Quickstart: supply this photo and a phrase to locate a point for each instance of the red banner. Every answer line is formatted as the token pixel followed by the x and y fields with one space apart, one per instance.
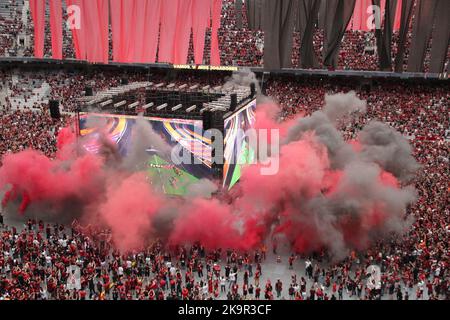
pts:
pixel 183 32
pixel 37 8
pixel 216 14
pixel 201 17
pixel 56 28
pixel 169 15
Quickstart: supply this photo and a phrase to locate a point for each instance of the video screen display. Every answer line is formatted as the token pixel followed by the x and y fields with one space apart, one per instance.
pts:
pixel 172 179
pixel 237 151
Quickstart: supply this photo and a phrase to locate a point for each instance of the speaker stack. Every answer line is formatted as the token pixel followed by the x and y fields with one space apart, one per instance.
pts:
pixel 252 89
pixel 54 109
pixel 88 91
pixel 214 120
pixel 233 103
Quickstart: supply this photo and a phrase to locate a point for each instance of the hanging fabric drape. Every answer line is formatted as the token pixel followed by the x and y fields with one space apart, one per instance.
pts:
pixel 287 29
pixel 307 15
pixel 201 18
pixel 75 9
pixel 335 32
pixel 278 33
pixel 398 15
pixel 238 13
pixel 215 25
pixel 272 34
pixel 384 34
pixel 423 25
pixel 363 16
pixel 169 13
pixel 37 8
pixel 254 14
pixel 143 29
pixel 56 28
pixel 301 17
pixel 442 33
pixel 151 30
pixel 140 29
pixel 115 12
pixel 360 16
pixel 96 30
pixel 103 8
pixel 250 11
pixel 92 33
pixel 385 53
pixel 182 32
pixel 135 30
pixel 138 39
pixel 128 30
pixel 322 15
pixel 125 15
pixel 406 14
pixel 143 18
pixel 328 14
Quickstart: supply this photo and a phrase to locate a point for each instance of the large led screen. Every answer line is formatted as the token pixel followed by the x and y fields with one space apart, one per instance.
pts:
pixel 237 151
pixel 172 179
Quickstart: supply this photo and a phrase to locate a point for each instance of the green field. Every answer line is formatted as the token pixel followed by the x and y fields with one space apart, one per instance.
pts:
pixel 247 157
pixel 170 179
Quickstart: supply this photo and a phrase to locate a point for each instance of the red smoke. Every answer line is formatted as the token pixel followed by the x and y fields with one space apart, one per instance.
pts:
pixel 66 142
pixel 38 179
pixel 214 225
pixel 128 205
pixel 304 175
pixel 356 145
pixel 66 137
pixel 10 195
pixel 265 115
pixel 302 168
pixel 128 210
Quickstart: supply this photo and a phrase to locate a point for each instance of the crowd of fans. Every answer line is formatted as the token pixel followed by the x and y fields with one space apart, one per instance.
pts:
pixel 34 259
pixel 24 129
pixel 11 26
pixel 419 112
pixel 64 86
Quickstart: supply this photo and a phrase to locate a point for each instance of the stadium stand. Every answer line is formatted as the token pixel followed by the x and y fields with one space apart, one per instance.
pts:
pixel 34 256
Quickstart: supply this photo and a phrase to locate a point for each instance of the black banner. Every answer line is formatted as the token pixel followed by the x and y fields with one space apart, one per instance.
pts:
pixel 254 309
